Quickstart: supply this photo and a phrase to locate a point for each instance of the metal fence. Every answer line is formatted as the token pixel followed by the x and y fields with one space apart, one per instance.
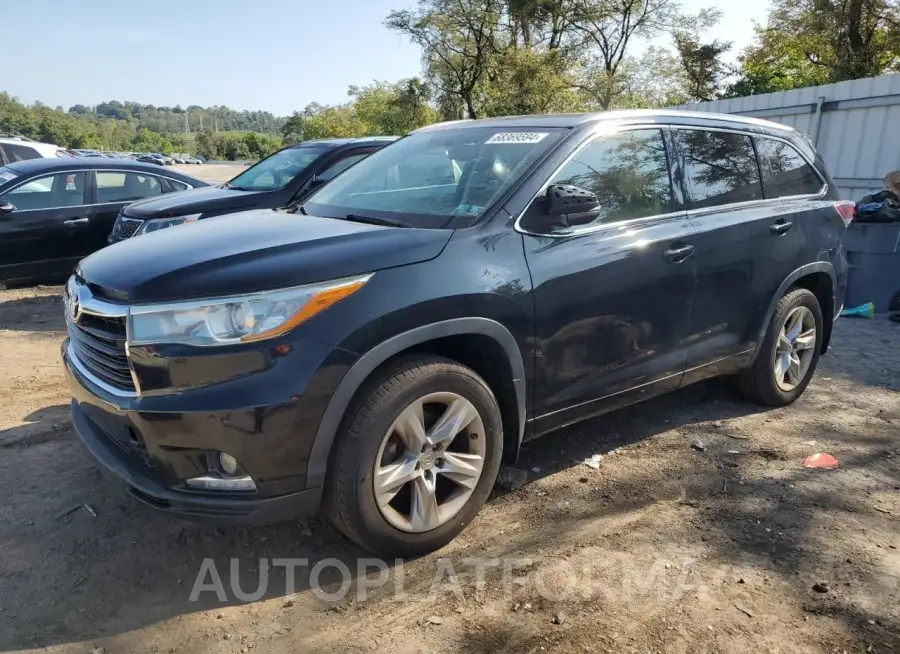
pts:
pixel 855 125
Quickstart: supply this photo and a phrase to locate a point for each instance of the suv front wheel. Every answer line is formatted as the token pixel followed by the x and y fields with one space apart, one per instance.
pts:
pixel 416 458
pixel 789 353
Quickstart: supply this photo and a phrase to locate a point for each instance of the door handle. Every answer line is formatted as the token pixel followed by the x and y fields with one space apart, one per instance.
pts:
pixel 781 227
pixel 76 221
pixel 678 254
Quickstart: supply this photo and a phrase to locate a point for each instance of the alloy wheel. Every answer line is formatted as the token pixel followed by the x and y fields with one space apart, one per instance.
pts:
pixel 795 348
pixel 429 462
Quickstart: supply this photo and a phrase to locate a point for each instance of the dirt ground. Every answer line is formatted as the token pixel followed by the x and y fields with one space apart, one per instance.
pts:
pixel 667 546
pixel 210 172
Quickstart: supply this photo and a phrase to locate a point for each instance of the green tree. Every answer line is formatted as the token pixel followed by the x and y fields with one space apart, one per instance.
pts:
pixel 811 42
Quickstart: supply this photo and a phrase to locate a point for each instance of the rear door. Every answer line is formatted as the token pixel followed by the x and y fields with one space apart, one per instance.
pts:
pixel 746 246
pixel 46 232
pixel 612 298
pixel 112 191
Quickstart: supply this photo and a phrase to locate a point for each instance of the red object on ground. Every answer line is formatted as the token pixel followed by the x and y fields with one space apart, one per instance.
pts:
pixel 821 461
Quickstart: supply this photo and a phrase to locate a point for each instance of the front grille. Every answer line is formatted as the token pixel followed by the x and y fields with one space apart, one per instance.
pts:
pixel 125 228
pixel 99 344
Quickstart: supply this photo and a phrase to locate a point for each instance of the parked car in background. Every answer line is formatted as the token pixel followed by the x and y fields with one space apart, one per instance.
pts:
pixel 54 211
pixel 19 148
pixel 470 287
pixel 158 160
pixel 193 160
pixel 276 181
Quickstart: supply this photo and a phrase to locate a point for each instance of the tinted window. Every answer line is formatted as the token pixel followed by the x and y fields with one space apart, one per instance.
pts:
pixel 178 186
pixel 628 172
pixel 126 187
pixel 784 171
pixel 19 152
pixel 338 167
pixel 62 190
pixel 720 167
pixel 276 171
pixel 440 178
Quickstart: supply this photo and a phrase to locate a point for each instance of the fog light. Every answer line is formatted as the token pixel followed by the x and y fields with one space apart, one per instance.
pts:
pixel 212 482
pixel 228 463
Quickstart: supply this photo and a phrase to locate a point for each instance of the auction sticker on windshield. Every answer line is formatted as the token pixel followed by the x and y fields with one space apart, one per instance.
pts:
pixel 518 137
pixel 7 177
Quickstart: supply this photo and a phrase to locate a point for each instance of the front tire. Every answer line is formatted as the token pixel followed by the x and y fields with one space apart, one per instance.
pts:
pixel 416 458
pixel 789 352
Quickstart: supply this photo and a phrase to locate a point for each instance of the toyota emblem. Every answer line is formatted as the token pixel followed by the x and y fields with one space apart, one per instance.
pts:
pixel 73 306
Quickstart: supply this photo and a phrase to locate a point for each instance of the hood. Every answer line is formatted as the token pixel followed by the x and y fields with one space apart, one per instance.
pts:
pixel 252 251
pixel 198 200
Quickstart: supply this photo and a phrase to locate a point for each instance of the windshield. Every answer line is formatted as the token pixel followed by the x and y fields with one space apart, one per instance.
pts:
pixel 276 171
pixel 446 178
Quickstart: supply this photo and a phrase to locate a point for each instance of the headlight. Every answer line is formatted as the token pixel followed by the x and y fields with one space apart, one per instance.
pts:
pixel 156 224
pixel 236 319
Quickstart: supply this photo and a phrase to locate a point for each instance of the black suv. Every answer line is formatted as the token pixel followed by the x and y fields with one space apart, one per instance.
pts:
pixel 278 180
pixel 474 285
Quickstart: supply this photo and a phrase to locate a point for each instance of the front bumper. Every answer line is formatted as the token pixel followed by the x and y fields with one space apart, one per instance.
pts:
pixel 132 476
pixel 150 444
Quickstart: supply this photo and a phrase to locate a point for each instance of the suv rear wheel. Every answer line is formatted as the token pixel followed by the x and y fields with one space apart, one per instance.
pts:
pixel 416 458
pixel 789 353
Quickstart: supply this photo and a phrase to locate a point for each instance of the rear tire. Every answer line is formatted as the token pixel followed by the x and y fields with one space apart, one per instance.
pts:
pixel 789 353
pixel 416 457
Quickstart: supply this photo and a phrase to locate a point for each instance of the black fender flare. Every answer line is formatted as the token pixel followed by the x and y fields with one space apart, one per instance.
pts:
pixel 368 362
pixel 808 269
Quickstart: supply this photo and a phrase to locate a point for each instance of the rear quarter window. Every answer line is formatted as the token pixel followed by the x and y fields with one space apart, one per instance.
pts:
pixel 785 172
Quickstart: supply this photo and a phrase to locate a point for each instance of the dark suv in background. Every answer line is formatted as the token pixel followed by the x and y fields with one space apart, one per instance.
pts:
pixel 276 181
pixel 471 286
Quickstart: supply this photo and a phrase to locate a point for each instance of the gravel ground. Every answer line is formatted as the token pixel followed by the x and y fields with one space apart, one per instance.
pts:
pixel 215 173
pixel 663 547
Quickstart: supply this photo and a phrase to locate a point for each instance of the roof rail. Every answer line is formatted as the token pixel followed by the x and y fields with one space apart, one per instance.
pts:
pixel 18 137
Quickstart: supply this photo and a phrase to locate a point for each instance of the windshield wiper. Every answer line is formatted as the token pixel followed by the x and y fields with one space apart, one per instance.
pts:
pixel 373 220
pixel 297 208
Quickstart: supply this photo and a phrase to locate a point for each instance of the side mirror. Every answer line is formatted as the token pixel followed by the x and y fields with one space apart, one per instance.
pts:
pixel 573 204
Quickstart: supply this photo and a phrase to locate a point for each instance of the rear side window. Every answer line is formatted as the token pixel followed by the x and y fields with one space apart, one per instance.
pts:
pixel 720 167
pixel 126 187
pixel 19 152
pixel 628 172
pixel 178 186
pixel 784 171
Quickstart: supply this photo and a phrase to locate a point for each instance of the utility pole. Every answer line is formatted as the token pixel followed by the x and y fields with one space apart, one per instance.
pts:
pixel 187 124
pixel 201 121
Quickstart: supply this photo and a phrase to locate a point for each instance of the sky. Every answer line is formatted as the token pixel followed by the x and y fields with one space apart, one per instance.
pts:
pixel 274 55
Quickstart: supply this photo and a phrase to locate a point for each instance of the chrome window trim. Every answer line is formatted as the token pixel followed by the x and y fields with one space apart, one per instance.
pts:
pixel 600 133
pixel 190 187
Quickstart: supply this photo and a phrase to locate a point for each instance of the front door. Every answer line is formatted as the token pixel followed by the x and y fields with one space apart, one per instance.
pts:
pixel 612 298
pixel 331 168
pixel 45 233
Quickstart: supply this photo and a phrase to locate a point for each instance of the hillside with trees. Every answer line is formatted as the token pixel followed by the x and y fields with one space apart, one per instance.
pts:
pixel 485 58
